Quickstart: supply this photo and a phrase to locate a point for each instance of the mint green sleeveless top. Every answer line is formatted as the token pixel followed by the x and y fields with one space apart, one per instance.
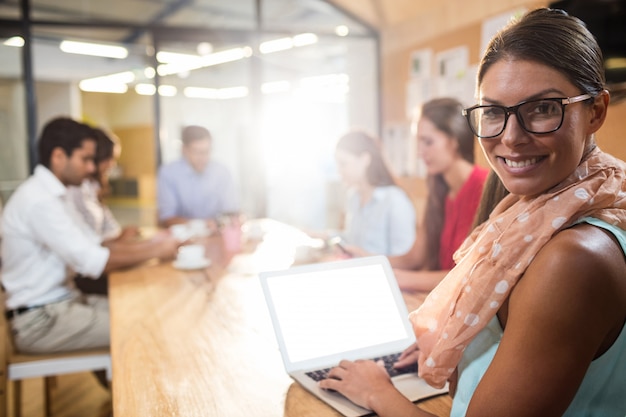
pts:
pixel 603 390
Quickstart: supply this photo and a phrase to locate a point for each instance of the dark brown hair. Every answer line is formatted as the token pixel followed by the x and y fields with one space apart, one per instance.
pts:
pixel 555 39
pixel 445 114
pixel 357 142
pixel 64 133
pixel 493 192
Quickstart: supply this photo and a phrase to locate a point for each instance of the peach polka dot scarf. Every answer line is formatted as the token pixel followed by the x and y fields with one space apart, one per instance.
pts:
pixel 496 254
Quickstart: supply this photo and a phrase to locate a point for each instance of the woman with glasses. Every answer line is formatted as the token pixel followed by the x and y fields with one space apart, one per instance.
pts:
pixel 531 321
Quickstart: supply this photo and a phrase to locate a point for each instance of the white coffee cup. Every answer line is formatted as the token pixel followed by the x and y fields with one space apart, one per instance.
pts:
pixel 190 254
pixel 181 232
pixel 198 227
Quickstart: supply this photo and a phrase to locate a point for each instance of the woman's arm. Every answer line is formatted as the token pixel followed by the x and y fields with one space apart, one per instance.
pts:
pixel 414 259
pixel 566 310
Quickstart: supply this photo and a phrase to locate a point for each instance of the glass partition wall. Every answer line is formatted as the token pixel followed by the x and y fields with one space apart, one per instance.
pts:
pixel 275 81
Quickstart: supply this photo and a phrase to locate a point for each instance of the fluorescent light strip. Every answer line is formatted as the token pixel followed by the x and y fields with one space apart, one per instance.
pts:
pixel 16 41
pixel 167 90
pixel 165 57
pixel 304 39
pixel 283 44
pixel 94 49
pixel 94 87
pixel 114 83
pixel 145 89
pixel 149 90
pixel 178 63
pixel 276 45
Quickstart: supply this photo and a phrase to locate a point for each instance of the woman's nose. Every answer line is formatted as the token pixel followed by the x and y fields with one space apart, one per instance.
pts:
pixel 513 134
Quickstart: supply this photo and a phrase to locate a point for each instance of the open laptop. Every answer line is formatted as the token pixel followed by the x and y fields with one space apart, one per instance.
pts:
pixel 350 309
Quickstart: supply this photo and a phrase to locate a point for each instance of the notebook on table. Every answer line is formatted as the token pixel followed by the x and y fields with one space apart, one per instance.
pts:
pixel 350 309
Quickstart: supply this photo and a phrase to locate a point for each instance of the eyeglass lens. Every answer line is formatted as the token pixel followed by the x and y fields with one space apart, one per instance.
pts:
pixel 540 116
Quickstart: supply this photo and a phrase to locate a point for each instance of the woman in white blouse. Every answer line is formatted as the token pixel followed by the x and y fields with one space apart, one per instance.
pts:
pixel 380 217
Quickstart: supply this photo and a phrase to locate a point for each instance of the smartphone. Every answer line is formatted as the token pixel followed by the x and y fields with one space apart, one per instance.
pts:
pixel 340 243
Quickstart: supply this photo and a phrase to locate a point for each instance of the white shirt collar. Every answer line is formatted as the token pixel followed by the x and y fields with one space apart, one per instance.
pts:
pixel 52 183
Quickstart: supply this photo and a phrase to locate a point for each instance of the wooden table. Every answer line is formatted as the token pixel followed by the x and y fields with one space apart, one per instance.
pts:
pixel 200 343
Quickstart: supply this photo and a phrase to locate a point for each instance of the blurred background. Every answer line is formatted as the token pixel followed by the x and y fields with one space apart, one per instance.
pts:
pixel 275 81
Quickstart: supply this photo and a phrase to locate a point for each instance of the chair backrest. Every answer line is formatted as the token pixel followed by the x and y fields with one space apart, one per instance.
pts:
pixel 15 366
pixel 4 357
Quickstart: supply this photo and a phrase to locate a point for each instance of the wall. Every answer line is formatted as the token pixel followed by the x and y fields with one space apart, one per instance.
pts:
pixel 14 154
pixel 396 54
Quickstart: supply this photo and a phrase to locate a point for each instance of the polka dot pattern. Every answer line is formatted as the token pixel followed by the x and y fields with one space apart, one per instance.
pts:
pixel 496 255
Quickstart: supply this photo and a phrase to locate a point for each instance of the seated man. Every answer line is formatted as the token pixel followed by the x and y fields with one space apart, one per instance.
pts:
pixel 46 243
pixel 195 187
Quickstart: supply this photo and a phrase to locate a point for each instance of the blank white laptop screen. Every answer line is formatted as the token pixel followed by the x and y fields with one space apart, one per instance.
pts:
pixel 335 310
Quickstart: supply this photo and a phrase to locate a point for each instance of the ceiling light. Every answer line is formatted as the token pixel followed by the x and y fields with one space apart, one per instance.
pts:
pixel 167 90
pixel 150 89
pixel 16 41
pixel 283 44
pixel 204 48
pixel 276 45
pixel 114 83
pixel 94 49
pixel 304 39
pixel 342 30
pixel 145 89
pixel 228 55
pixel 178 63
pixel 165 57
pixel 93 87
pixel 149 73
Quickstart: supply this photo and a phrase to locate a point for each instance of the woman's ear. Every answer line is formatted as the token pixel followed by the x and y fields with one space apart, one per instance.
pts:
pixel 598 111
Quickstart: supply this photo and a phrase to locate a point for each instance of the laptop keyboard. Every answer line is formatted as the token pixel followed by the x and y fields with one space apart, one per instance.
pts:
pixel 388 360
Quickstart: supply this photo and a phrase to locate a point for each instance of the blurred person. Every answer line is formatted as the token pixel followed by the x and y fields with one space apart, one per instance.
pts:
pixel 88 198
pixel 532 319
pixel 380 217
pixel 454 183
pixel 195 186
pixel 45 244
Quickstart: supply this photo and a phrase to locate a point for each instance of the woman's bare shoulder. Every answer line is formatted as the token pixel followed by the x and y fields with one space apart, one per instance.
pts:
pixel 580 272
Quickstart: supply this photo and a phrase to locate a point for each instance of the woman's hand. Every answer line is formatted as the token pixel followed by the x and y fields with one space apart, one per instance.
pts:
pixel 359 381
pixel 408 357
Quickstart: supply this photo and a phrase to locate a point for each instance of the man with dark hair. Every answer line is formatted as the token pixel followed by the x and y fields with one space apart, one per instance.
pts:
pixel 195 187
pixel 46 243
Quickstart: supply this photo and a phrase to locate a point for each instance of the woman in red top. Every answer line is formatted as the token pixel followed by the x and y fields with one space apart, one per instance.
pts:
pixel 455 183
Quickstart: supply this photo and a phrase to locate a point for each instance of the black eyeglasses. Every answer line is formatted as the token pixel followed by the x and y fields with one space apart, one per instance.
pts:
pixel 544 115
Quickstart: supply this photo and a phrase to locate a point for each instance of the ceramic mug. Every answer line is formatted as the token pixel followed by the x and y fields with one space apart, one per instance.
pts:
pixel 190 254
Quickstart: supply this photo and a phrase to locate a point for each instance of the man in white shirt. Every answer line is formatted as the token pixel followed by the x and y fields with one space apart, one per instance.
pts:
pixel 45 243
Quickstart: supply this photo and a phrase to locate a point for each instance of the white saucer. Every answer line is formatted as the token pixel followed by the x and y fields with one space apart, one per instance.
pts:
pixel 200 264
